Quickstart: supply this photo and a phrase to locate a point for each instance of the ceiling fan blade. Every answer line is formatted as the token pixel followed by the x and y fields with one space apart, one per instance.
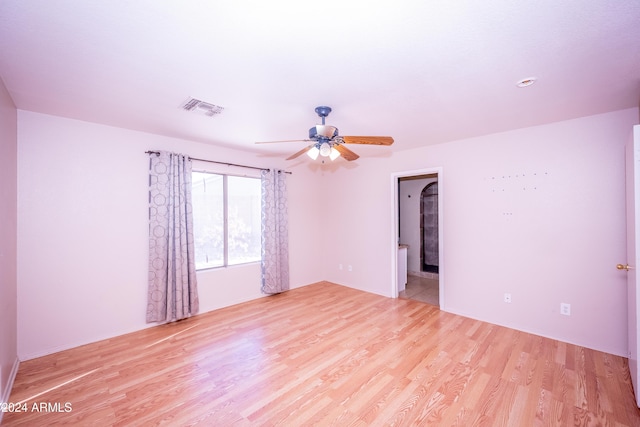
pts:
pixel 373 140
pixel 345 152
pixel 286 140
pixel 300 153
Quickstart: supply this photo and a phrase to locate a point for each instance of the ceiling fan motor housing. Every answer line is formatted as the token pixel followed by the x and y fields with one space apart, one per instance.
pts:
pixel 323 132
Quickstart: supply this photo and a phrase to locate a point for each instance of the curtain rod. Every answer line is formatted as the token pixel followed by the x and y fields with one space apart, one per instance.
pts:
pixel 222 163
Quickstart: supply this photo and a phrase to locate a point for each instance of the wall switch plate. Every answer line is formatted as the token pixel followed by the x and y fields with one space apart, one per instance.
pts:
pixel 350 268
pixel 507 298
pixel 340 266
pixel 565 309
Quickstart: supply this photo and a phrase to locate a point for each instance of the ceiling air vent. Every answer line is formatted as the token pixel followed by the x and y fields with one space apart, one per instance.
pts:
pixel 201 107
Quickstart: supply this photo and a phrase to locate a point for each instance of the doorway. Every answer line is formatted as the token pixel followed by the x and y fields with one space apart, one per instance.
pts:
pixel 417 225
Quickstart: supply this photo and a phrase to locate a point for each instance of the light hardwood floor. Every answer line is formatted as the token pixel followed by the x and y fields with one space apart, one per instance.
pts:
pixel 421 289
pixel 327 355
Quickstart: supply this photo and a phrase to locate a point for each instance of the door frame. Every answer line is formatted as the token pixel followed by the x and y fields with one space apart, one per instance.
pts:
pixel 632 159
pixel 395 230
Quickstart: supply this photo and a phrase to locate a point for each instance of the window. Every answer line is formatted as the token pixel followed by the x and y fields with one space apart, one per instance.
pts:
pixel 226 219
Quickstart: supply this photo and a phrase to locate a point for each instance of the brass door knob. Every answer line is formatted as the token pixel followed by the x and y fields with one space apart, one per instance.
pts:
pixel 626 267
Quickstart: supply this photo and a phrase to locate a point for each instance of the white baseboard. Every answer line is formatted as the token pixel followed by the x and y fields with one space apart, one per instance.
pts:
pixel 6 393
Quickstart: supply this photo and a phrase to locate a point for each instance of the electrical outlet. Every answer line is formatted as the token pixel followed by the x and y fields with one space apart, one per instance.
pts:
pixel 565 309
pixel 507 298
pixel 340 266
pixel 350 268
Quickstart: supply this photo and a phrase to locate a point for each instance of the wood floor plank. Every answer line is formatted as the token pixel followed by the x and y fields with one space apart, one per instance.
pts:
pixel 326 355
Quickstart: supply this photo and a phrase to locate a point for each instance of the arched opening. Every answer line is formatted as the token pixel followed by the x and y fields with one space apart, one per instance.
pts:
pixel 429 254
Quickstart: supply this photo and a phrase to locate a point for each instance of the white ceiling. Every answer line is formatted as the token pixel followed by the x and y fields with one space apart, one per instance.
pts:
pixel 422 71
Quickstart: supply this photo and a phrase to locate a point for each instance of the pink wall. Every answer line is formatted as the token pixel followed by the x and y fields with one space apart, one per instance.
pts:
pixel 547 238
pixel 8 242
pixel 82 235
pixel 536 212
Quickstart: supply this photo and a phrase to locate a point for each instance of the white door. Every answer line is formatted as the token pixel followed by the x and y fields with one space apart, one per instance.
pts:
pixel 633 251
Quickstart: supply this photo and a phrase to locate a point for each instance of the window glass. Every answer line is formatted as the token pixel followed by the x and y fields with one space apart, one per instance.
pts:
pixel 244 222
pixel 227 224
pixel 208 219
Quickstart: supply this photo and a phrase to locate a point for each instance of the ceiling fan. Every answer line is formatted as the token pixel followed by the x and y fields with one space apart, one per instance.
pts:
pixel 326 142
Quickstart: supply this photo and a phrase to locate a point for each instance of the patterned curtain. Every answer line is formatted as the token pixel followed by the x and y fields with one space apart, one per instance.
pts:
pixel 172 293
pixel 275 233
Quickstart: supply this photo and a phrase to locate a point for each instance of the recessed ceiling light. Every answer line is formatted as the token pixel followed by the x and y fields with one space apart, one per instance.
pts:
pixel 526 82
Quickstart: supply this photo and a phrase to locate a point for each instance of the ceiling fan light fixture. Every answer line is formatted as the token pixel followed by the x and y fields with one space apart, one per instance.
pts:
pixel 334 154
pixel 313 152
pixel 325 149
